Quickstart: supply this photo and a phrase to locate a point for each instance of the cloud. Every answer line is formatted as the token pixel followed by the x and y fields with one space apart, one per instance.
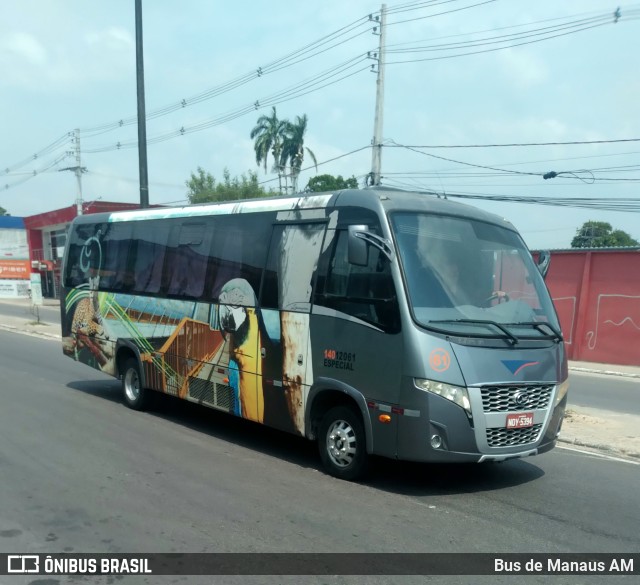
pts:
pixel 24 48
pixel 112 39
pixel 21 55
pixel 523 68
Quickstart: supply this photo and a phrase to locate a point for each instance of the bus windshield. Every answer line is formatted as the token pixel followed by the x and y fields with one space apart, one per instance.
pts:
pixel 471 278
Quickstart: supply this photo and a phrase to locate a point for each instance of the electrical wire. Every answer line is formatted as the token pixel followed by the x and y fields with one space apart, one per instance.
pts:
pixel 30 175
pixel 315 83
pixel 584 175
pixel 62 141
pixel 441 13
pixel 515 144
pixel 605 19
pixel 288 60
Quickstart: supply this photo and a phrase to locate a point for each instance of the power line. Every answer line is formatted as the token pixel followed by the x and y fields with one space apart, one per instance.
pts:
pixel 442 13
pixel 43 169
pixel 316 83
pixel 500 38
pixel 514 144
pixel 585 175
pixel 495 29
pixel 622 204
pixel 289 60
pixel 62 141
pixel 548 36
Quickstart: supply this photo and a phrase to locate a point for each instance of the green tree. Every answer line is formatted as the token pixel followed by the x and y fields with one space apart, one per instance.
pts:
pixel 293 149
pixel 3 211
pixel 204 188
pixel 600 234
pixel 268 136
pixel 321 183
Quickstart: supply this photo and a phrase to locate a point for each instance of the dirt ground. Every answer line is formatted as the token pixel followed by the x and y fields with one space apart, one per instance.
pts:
pixel 615 433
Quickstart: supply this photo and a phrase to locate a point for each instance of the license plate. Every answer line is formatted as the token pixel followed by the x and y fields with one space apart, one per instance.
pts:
pixel 520 420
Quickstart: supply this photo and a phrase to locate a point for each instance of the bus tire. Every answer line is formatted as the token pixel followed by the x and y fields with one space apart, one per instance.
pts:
pixel 135 395
pixel 342 444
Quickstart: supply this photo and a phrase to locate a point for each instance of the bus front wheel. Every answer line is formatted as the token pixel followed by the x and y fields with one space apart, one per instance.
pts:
pixel 342 443
pixel 135 395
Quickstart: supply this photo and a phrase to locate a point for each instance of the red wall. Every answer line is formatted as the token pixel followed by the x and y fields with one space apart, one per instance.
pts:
pixel 597 296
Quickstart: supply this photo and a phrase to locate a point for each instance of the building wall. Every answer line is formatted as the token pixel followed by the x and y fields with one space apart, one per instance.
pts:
pixel 15 268
pixel 597 296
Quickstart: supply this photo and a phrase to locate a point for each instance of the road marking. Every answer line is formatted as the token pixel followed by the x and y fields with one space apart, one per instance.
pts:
pixel 601 455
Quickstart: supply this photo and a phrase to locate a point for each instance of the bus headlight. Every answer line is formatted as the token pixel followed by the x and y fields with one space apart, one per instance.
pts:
pixel 561 392
pixel 456 394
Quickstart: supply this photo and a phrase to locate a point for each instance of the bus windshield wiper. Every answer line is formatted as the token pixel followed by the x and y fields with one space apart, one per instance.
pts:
pixel 507 334
pixel 555 334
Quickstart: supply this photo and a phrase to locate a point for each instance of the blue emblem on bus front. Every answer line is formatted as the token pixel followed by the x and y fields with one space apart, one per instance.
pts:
pixel 515 366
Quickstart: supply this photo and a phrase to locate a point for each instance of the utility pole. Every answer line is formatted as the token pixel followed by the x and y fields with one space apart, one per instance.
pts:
pixel 142 116
pixel 376 157
pixel 78 169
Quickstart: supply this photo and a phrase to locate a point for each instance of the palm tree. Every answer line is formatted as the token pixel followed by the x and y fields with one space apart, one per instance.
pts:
pixel 269 134
pixel 293 148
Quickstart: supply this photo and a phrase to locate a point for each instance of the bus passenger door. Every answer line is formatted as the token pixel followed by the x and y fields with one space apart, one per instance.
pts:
pixel 285 306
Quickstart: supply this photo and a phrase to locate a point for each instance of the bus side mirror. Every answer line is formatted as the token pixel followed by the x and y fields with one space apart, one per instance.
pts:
pixel 544 261
pixel 357 247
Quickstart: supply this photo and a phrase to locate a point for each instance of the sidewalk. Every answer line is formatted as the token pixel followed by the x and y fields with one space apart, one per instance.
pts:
pixel 604 431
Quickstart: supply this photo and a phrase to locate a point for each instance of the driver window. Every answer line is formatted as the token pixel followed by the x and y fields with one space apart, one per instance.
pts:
pixel 364 292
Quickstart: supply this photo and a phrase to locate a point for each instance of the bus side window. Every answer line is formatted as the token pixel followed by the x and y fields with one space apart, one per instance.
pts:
pixel 117 270
pixel 365 292
pixel 188 260
pixel 238 250
pixel 291 265
pixel 150 244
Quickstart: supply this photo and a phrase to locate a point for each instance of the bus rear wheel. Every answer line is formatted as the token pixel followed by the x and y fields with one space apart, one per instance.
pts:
pixel 342 444
pixel 135 395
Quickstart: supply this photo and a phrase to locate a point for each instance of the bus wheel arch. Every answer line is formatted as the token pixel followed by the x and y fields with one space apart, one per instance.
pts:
pixel 339 428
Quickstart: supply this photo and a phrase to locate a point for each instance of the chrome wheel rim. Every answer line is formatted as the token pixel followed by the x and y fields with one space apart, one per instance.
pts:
pixel 341 443
pixel 132 385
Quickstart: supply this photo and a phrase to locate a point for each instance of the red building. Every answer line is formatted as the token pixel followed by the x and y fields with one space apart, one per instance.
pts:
pixel 596 293
pixel 47 235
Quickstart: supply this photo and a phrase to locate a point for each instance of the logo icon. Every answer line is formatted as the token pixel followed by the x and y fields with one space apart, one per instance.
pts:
pixel 23 563
pixel 521 399
pixel 439 360
pixel 516 366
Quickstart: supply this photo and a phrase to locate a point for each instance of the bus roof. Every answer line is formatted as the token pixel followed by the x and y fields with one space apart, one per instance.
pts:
pixel 382 199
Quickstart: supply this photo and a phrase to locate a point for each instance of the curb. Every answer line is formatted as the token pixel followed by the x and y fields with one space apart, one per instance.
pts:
pixel 602 448
pixel 31 332
pixel 603 372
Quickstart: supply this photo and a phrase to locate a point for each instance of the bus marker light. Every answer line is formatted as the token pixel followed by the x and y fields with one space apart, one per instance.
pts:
pixel 436 441
pixel 384 418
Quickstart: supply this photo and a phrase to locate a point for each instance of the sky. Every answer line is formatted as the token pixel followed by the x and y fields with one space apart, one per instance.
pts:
pixel 458 73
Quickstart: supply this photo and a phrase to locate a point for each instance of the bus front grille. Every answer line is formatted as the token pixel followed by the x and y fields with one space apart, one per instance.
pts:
pixel 501 437
pixel 516 398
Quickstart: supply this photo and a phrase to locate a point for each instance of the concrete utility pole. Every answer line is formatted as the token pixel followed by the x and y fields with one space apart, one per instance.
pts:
pixel 142 116
pixel 376 158
pixel 78 169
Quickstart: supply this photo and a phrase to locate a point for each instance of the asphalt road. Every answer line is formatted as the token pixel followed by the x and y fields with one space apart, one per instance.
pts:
pixel 81 472
pixel 605 392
